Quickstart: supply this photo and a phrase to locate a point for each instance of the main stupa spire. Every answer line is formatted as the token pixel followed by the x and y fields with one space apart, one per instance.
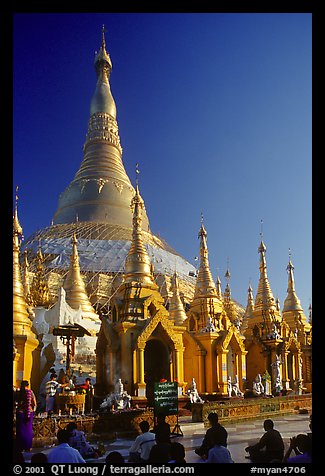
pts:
pixel 101 190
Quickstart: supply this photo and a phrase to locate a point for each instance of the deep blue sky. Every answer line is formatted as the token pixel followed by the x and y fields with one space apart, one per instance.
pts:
pixel 215 108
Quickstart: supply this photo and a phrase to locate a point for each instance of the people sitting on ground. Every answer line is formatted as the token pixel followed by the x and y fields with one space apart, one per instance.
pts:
pixel 162 430
pixel 301 444
pixel 140 449
pixel 114 458
pixel 207 442
pixel 218 453
pixel 78 440
pixel 38 458
pixel 177 453
pixel 63 452
pixel 160 454
pixel 270 447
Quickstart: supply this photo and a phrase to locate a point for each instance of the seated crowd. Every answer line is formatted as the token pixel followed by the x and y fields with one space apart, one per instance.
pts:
pixel 157 446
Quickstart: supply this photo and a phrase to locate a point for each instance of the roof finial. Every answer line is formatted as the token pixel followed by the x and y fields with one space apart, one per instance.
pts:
pixel 16 198
pixel 137 175
pixel 104 30
pixel 227 275
pixel 261 232
pixel 201 218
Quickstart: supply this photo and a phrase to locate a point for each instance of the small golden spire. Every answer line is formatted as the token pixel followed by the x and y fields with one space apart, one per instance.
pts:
pixel 204 282
pixel 138 266
pixel 264 298
pixel 21 318
pixel 218 288
pixel 74 286
pixel 40 293
pixel 291 302
pixel 249 309
pixel 310 314
pixel 227 302
pixel 176 308
pixel 16 225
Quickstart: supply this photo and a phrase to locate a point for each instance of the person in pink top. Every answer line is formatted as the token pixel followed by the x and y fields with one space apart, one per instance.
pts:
pixel 26 405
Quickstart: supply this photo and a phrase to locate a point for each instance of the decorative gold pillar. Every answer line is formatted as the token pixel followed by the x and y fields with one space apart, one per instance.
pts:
pixel 141 386
pixel 201 379
pixel 179 375
pixel 285 370
pixel 222 371
pixel 172 365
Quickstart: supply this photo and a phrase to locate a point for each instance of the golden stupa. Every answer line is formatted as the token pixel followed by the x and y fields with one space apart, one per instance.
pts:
pixel 96 208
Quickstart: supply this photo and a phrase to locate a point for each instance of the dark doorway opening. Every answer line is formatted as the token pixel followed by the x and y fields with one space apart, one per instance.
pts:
pixel 156 366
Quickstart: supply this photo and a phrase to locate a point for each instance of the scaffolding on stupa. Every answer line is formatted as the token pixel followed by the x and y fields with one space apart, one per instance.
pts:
pixel 102 249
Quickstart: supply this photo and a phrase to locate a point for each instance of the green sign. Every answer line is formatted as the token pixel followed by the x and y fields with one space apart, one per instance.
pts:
pixel 166 398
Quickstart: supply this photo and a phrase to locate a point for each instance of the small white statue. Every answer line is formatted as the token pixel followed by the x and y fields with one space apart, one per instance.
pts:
pixel 276 368
pixel 235 388
pixel 278 385
pixel 122 398
pixel 210 327
pixel 274 333
pixel 229 387
pixel 193 393
pixel 258 387
pixel 297 385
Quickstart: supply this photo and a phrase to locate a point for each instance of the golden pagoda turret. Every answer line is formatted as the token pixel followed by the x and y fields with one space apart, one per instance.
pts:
pixel 138 266
pixel 20 315
pixel 176 307
pixel 218 288
pixel 206 304
pixel 24 338
pixel 40 294
pixel 249 309
pixel 227 302
pixel 265 314
pixel 204 281
pixel 264 300
pixel 292 311
pixel 74 286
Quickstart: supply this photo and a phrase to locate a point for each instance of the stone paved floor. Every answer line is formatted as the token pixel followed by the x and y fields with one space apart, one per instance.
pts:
pixel 240 435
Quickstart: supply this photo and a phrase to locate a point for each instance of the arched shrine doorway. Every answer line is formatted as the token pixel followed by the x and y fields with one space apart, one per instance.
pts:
pixel 156 366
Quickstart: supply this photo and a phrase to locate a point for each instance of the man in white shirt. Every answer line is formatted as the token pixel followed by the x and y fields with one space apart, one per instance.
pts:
pixel 63 452
pixel 140 449
pixel 50 389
